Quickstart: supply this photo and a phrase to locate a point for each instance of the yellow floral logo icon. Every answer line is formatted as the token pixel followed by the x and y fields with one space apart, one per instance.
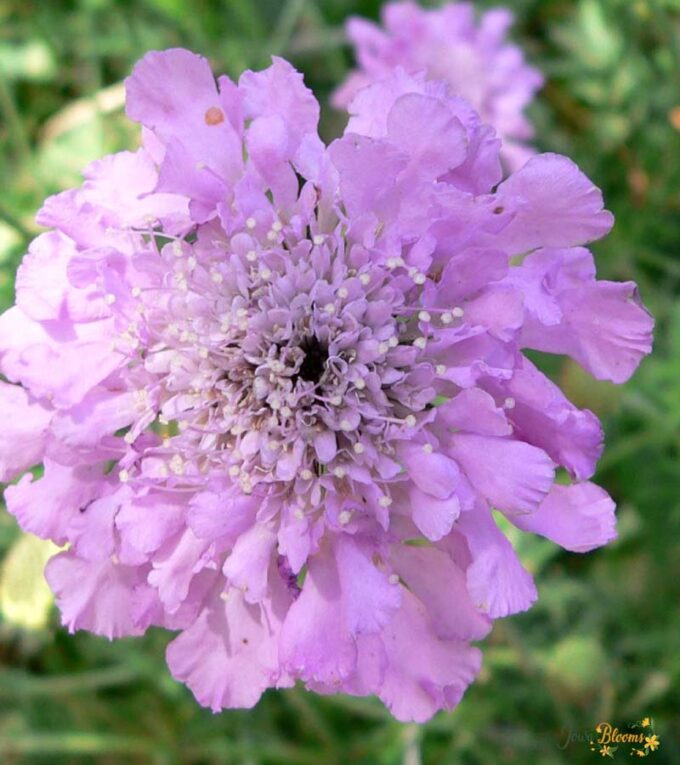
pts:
pixel 639 740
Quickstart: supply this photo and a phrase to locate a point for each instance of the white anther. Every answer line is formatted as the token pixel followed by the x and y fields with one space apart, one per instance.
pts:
pixel 251 256
pixel 392 262
pixel 329 308
pixel 343 292
pixel 273 445
pixel 509 403
pixel 124 476
pixel 224 596
pixel 385 501
pixel 217 277
pixel 191 263
pixel 345 517
pixel 393 342
pixel 419 278
pixel 393 579
pixel 299 513
pixel 251 223
pixel 383 348
pixel 110 298
pixel 427 448
pixel 234 470
pixel 365 279
pixel 277 225
pixel 440 369
pixel 360 384
pixel 335 400
pixel 203 353
pixel 129 437
pixel 410 421
pixel 359 448
pixel 177 248
pixel 200 165
pixel 265 273
pixel 447 317
pixel 345 425
pixel 424 316
pixel 339 472
pixel 318 239
pixel 286 411
pixel 135 292
pixel 242 313
pixel 420 342
pixel 306 474
pixel 271 235
pixel 458 312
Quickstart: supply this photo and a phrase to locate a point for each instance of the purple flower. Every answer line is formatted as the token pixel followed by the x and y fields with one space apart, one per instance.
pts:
pixel 278 387
pixel 448 44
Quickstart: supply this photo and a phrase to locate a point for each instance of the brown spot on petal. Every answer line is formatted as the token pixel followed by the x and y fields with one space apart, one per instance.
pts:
pixel 214 116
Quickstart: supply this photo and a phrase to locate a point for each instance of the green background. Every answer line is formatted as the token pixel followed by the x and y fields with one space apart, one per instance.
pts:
pixel 603 642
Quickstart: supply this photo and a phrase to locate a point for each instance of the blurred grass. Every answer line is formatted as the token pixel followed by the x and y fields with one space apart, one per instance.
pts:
pixel 603 641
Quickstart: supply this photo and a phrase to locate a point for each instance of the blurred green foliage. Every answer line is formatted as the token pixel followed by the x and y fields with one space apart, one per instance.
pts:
pixel 603 642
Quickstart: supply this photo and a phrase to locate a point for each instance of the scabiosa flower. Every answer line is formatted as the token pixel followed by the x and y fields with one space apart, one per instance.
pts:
pixel 278 387
pixel 449 44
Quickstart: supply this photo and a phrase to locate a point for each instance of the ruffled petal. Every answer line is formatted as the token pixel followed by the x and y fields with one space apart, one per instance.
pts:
pixel 544 417
pixel 497 582
pixel 433 517
pixel 228 656
pixel 94 595
pixel 46 506
pixel 556 206
pixel 579 517
pixel 25 422
pixel 511 475
pixel 440 585
pixel 342 597
pixel 424 673
pixel 247 566
pixel 174 568
pixel 56 360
